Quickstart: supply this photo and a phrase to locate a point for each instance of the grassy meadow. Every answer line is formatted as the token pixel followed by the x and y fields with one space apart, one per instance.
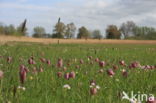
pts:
pixel 46 82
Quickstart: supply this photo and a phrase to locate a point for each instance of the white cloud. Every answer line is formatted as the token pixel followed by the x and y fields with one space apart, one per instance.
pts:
pixel 94 14
pixel 19 6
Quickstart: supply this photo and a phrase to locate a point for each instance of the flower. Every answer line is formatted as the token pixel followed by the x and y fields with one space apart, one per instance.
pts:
pixel 60 63
pixel 94 88
pixel 34 70
pixel 43 60
pixel 151 100
pixel 31 61
pixel 135 65
pixel 59 74
pixel 9 59
pixel 101 71
pixel 93 91
pixel 48 62
pixel 124 73
pixel 90 57
pixel 66 86
pixel 92 85
pixel 92 82
pixel 41 69
pixel 21 88
pixel 31 78
pixel 102 63
pixel 97 60
pixel 115 67
pixel 97 87
pixel 77 67
pixel 22 73
pixel 110 72
pixel 134 101
pixel 122 62
pixel 81 61
pixel 66 76
pixel 72 74
pixel 64 68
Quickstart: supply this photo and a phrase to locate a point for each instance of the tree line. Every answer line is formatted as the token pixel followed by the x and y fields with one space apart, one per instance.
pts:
pixel 127 30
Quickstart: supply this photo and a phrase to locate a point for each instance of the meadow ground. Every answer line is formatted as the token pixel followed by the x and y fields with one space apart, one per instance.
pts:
pixel 5 39
pixel 38 73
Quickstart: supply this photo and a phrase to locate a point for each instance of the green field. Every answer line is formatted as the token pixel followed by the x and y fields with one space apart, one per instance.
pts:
pixel 47 87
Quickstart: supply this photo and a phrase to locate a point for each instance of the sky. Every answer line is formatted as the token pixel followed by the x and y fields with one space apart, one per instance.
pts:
pixel 93 14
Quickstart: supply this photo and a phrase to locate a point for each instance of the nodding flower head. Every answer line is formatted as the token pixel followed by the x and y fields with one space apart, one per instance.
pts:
pixel 22 73
pixel 48 62
pixel 124 73
pixel 81 61
pixel 97 60
pixel 43 60
pixel 72 74
pixel 66 76
pixel 102 63
pixel 94 88
pixel 59 74
pixel 9 59
pixel 60 63
pixel 31 61
pixel 67 86
pixel 135 65
pixel 122 62
pixel 151 100
pixel 110 72
pixel 115 67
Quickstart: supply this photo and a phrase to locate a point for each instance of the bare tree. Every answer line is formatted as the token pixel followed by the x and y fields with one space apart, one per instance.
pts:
pixel 70 30
pixel 127 29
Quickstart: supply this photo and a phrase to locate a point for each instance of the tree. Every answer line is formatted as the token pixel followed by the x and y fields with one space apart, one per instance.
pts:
pixel 127 29
pixel 59 30
pixel 112 32
pixel 83 33
pixel 9 30
pixel 1 28
pixel 39 32
pixel 21 29
pixel 70 30
pixel 96 34
pixel 23 26
pixel 144 32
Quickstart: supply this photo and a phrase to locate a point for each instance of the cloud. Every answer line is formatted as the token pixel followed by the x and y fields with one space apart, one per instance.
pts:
pixel 94 14
pixel 19 6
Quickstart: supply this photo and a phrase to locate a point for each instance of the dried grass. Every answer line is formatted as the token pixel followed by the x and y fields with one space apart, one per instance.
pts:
pixel 5 39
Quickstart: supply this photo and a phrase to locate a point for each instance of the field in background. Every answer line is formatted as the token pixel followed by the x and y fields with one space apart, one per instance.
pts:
pixel 4 39
pixel 45 86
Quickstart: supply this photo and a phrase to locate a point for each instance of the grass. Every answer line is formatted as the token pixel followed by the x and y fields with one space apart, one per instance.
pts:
pixel 46 87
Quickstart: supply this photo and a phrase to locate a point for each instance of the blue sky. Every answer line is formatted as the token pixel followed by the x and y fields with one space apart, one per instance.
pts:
pixel 94 14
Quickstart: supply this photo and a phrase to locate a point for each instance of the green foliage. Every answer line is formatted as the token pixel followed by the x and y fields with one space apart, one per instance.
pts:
pixel 47 87
pixel 39 32
pixel 96 34
pixel 70 30
pixel 59 30
pixel 83 33
pixel 127 29
pixel 112 32
pixel 144 32
pixel 131 31
pixel 12 30
pixel 20 32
